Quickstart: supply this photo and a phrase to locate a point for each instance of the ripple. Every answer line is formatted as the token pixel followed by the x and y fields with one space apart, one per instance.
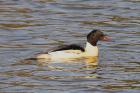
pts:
pixel 29 27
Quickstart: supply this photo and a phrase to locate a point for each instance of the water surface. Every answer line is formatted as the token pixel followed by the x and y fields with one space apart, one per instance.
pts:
pixel 28 27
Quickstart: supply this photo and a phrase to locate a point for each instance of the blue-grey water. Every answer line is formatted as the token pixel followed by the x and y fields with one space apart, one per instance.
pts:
pixel 28 27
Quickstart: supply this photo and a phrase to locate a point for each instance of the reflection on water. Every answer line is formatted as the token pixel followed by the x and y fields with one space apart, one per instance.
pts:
pixel 77 68
pixel 28 27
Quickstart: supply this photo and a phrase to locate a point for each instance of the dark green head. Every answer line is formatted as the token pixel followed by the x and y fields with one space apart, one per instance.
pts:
pixel 96 35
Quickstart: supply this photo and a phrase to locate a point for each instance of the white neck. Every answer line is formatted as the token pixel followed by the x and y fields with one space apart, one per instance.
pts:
pixel 91 50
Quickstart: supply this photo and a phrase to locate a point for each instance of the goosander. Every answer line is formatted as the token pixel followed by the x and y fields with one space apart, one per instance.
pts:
pixel 74 51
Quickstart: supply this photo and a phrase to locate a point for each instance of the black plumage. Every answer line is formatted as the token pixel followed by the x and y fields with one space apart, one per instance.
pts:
pixel 68 47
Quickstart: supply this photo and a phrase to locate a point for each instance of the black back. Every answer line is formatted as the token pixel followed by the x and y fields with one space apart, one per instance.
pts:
pixel 68 47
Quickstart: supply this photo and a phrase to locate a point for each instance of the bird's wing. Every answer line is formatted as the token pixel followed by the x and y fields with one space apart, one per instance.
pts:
pixel 68 47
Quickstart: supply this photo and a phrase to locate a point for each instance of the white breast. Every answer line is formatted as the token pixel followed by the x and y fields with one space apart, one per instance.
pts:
pixel 91 50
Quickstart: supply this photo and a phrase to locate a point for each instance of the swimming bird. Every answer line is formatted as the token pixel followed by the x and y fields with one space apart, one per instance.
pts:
pixel 74 51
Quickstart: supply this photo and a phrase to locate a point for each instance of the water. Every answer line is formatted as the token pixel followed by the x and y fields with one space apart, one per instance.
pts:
pixel 28 27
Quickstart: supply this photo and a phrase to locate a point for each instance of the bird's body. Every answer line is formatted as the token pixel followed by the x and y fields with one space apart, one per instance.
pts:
pixel 71 53
pixel 74 51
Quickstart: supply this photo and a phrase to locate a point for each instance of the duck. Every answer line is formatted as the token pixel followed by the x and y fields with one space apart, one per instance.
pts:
pixel 74 51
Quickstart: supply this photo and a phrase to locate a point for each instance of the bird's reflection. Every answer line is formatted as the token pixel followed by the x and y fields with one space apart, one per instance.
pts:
pixel 90 62
pixel 82 68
